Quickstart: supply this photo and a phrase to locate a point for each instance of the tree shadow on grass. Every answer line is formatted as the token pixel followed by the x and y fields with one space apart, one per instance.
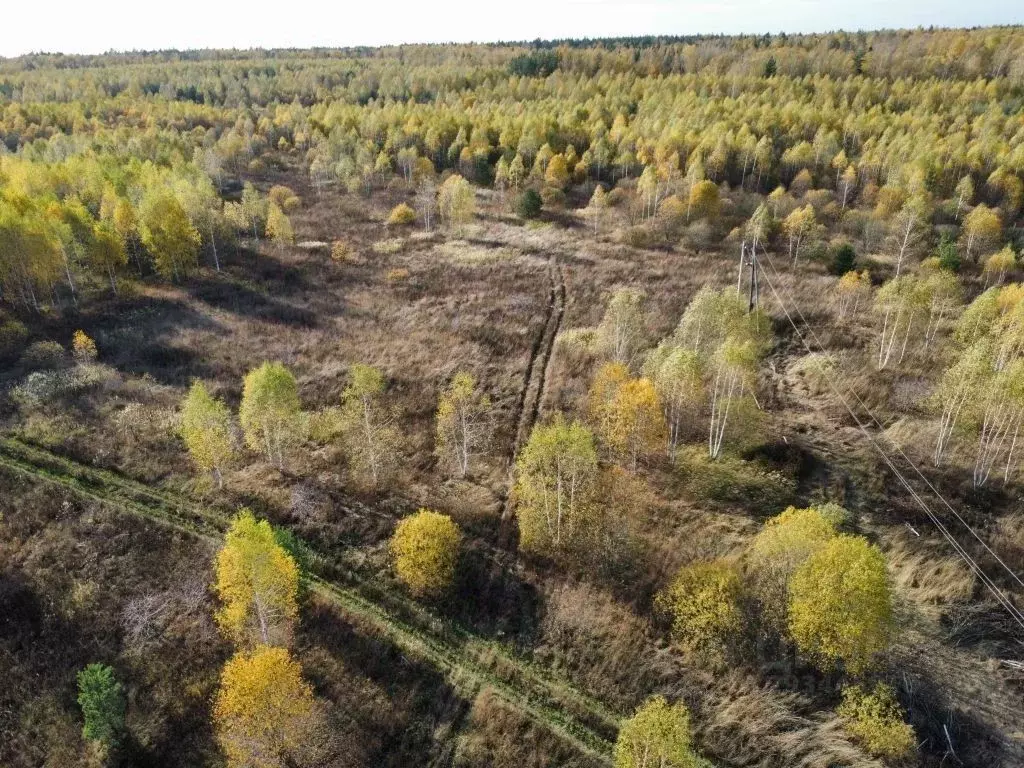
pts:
pixel 419 703
pixel 244 300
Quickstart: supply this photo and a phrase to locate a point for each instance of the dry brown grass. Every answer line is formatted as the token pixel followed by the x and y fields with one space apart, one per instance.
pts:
pixel 476 300
pixel 751 725
pixel 601 642
pixel 926 573
pixel 499 737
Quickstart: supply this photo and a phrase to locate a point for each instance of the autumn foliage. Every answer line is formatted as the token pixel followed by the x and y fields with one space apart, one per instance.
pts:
pixel 426 551
pixel 257 583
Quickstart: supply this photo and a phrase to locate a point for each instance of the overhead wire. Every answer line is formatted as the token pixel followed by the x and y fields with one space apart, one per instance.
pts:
pixel 974 566
pixel 899 450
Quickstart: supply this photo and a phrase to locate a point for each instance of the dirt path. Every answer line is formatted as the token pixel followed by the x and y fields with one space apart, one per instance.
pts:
pixel 533 384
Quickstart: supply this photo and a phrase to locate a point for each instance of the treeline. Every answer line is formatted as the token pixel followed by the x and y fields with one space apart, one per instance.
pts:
pixel 987 52
pixel 94 217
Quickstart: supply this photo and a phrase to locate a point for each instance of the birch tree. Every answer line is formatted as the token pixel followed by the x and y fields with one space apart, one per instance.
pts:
pixel 982 227
pixel 597 208
pixel 678 377
pixel 998 264
pixel 941 290
pixel 797 227
pixel 270 410
pixel 626 413
pixel 852 293
pixel 455 201
pixel 206 430
pixel 556 477
pixel 758 228
pixel 463 423
pixel 999 433
pixel 908 230
pixel 960 391
pixel 903 303
pixel 964 195
pixel 257 583
pixel 367 428
pixel 265 715
pixel 621 332
pixel 846 184
pixel 426 201
pixel 735 372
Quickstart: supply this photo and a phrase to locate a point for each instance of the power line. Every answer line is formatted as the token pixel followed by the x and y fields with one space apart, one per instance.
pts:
pixel 898 449
pixel 958 548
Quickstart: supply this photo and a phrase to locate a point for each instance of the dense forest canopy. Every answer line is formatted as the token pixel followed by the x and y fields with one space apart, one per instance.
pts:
pixel 904 112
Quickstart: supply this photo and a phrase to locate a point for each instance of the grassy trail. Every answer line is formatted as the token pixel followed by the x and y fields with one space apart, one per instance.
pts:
pixel 469 662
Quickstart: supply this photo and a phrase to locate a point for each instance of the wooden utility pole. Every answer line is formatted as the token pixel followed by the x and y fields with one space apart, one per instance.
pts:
pixel 752 297
pixel 739 272
pixel 753 289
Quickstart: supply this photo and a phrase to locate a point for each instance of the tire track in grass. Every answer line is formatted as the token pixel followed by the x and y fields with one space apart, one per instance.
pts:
pixel 533 386
pixel 468 662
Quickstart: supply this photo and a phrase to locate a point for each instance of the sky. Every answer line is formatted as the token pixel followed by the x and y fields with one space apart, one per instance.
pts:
pixel 96 26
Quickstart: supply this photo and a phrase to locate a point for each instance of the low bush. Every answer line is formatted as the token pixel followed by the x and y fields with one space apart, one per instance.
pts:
pixel 529 204
pixel 13 335
pixel 44 355
pixel 640 236
pixel 401 216
pixel 553 197
pixel 42 387
pixel 844 258
pixel 876 720
pixel 731 479
pixel 388 247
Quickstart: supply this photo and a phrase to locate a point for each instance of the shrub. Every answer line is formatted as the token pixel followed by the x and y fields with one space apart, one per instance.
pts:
pixel 401 215
pixel 284 198
pixel 529 204
pixel 388 247
pixel 948 254
pixel 699 236
pixel 840 605
pixel 781 547
pixel 44 355
pixel 658 734
pixel 13 335
pixel 341 251
pixel 843 259
pixel 730 479
pixel 876 720
pixel 617 197
pixel 639 236
pixel 703 602
pixel 41 387
pixel 816 369
pixel 553 197
pixel 102 701
pixel 577 345
pixel 426 550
